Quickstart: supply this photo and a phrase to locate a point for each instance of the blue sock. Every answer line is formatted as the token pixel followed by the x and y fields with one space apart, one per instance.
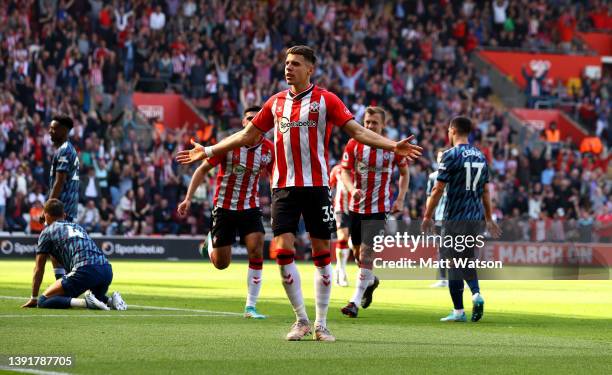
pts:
pixel 456 291
pixel 473 284
pixel 55 302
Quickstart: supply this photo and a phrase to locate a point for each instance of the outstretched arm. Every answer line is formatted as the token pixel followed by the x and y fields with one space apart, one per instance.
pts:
pixel 370 138
pixel 196 181
pixel 247 136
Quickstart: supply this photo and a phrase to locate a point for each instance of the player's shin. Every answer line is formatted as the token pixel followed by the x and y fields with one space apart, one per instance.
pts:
pixel 254 281
pixel 322 285
pixel 55 302
pixel 292 282
pixel 342 254
pixel 364 278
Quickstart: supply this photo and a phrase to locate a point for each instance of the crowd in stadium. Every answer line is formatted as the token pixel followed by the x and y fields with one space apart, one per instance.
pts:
pixel 86 58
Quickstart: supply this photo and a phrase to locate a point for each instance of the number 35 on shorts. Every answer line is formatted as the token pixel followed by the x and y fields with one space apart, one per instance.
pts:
pixel 328 214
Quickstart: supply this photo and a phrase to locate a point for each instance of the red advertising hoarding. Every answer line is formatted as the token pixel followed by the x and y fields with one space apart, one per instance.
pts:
pixel 561 67
pixel 599 42
pixel 171 109
pixel 540 119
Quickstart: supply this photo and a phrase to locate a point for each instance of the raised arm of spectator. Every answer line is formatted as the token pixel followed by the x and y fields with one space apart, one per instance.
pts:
pixel 340 73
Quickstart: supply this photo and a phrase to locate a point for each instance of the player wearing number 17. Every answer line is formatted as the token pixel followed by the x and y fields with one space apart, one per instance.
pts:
pixel 302 118
pixel 464 173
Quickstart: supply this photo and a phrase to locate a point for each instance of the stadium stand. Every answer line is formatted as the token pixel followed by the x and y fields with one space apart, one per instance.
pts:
pixel 87 58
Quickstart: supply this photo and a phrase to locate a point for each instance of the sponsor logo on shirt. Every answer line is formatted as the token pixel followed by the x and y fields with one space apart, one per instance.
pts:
pixel 284 124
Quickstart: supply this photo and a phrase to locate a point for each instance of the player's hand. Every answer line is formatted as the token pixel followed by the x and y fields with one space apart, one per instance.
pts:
pixel 493 229
pixel 190 156
pixel 427 226
pixel 407 149
pixel 183 207
pixel 356 194
pixel 398 206
pixel 31 303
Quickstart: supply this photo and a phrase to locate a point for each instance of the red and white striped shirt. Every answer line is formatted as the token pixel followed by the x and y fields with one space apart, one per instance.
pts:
pixel 341 198
pixel 303 124
pixel 372 169
pixel 237 182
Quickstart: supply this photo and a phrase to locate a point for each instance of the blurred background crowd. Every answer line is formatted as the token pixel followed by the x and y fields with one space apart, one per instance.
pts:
pixel 86 58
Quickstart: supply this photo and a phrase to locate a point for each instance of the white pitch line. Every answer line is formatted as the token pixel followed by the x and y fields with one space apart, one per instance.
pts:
pixel 162 308
pixel 104 316
pixel 32 371
pixel 186 310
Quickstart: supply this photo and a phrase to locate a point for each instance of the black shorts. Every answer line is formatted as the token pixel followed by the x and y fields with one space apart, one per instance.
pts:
pixel 343 220
pixel 227 223
pixel 313 203
pixel 365 226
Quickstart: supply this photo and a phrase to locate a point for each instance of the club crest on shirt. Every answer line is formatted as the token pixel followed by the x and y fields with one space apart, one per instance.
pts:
pixel 266 158
pixel 314 107
pixel 387 155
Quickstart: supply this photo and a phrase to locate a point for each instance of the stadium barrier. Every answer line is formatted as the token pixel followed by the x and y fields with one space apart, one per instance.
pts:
pixel 116 247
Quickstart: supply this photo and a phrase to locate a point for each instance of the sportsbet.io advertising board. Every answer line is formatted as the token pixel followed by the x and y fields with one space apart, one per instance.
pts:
pixel 121 247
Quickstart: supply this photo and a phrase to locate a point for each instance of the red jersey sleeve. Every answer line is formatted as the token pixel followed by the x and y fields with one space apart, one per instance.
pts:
pixel 264 120
pixel 337 113
pixel 216 160
pixel 400 161
pixel 348 157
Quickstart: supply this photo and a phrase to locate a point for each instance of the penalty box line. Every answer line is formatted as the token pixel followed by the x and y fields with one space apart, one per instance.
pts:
pixel 162 308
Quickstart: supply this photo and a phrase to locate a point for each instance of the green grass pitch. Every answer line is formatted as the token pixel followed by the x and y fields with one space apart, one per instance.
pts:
pixel 529 326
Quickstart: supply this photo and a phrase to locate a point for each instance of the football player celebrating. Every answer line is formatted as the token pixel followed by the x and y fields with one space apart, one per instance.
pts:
pixel 370 188
pixel 341 204
pixel 236 207
pixel 302 118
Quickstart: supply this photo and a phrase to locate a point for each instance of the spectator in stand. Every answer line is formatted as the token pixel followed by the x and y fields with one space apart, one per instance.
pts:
pixel 533 88
pixel 90 217
pixel 5 194
pixel 107 218
pixel 141 210
pixel 162 215
pixel 36 210
pixel 16 209
pixel 157 20
pixel 413 58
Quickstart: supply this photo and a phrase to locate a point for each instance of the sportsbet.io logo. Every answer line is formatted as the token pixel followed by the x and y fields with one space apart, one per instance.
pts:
pixel 284 124
pixel 107 248
pixel 6 247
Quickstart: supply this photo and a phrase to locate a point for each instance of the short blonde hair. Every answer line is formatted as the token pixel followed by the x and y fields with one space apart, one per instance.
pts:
pixel 373 110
